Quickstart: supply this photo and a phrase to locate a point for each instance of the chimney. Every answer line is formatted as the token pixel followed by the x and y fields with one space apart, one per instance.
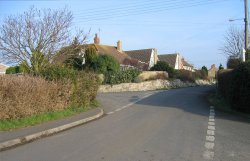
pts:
pixel 96 39
pixel 119 46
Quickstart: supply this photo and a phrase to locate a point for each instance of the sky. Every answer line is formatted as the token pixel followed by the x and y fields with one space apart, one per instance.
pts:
pixel 195 29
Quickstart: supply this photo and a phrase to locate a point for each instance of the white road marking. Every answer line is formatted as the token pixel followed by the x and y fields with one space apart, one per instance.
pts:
pixel 130 104
pixel 211 127
pixel 210 132
pixel 208 154
pixel 210 138
pixel 211 123
pixel 209 145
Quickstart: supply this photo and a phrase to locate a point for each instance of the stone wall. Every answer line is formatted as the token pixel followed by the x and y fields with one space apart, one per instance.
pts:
pixel 150 85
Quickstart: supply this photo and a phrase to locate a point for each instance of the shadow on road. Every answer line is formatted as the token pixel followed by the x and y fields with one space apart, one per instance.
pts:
pixel 192 100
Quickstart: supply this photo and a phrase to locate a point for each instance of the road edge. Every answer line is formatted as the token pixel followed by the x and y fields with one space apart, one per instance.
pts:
pixel 28 138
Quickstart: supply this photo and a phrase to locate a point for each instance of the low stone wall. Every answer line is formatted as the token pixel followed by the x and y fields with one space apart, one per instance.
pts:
pixel 150 85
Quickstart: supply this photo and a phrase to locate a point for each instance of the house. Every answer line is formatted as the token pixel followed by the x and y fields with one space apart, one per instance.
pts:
pixel 3 68
pixel 176 61
pixel 212 72
pixel 148 56
pixel 115 51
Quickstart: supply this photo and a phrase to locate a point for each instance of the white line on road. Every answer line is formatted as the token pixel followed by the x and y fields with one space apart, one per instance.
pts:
pixel 128 105
pixel 208 154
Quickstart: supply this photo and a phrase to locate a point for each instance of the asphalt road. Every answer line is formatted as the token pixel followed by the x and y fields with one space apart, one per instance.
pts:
pixel 173 125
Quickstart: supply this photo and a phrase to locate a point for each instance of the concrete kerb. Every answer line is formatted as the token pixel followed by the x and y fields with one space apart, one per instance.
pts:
pixel 22 140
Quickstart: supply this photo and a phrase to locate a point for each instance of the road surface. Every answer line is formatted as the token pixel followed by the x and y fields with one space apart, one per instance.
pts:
pixel 171 125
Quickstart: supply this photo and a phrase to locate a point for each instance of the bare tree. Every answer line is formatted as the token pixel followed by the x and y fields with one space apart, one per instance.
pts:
pixel 234 42
pixel 33 38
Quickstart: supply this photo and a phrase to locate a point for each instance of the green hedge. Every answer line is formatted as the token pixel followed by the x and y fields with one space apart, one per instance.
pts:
pixel 83 86
pixel 234 86
pixel 13 70
pixel 127 76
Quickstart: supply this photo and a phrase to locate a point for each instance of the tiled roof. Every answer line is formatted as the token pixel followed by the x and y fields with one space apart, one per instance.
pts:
pixel 112 51
pixel 169 58
pixel 142 55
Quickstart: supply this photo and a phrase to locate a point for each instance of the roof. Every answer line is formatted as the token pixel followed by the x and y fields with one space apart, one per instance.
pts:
pixel 169 58
pixel 142 55
pixel 185 63
pixel 112 51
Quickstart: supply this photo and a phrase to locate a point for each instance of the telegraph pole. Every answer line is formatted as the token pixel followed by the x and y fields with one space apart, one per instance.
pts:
pixel 246 25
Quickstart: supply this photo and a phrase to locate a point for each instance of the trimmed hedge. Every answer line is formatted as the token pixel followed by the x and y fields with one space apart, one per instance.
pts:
pixel 127 76
pixel 234 86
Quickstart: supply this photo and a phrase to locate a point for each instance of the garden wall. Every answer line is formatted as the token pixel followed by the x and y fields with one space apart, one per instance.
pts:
pixel 150 85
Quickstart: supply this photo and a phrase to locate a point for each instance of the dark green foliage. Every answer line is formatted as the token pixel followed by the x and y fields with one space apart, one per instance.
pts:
pixel 13 70
pixel 116 77
pixel 58 73
pixel 248 55
pixel 240 98
pixel 221 67
pixel 204 68
pixel 234 86
pixel 232 63
pixel 90 56
pixel 104 64
pixel 163 66
pixel 74 62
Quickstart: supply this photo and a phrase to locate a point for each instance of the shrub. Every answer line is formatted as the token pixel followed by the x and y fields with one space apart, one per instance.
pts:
pixel 232 63
pixel 200 74
pixel 240 98
pixel 104 64
pixel 22 96
pixel 117 77
pixel 185 75
pixel 234 86
pixel 163 66
pixel 13 70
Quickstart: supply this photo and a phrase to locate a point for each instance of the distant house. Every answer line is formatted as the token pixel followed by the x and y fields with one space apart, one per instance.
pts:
pixel 148 56
pixel 212 72
pixel 176 61
pixel 3 68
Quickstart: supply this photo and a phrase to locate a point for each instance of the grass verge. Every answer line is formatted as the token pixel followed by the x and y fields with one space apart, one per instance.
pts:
pixel 6 125
pixel 222 105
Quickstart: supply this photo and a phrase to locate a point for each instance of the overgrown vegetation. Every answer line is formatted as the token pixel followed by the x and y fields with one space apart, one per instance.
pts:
pixel 234 86
pixel 13 70
pixel 24 96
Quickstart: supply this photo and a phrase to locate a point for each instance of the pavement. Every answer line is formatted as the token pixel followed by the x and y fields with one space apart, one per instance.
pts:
pixel 9 139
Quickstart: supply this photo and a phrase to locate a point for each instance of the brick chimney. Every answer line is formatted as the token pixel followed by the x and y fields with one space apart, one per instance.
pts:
pixel 119 46
pixel 96 39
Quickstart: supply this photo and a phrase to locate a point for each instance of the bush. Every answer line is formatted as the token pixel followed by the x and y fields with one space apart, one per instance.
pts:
pixel 22 96
pixel 240 98
pixel 13 70
pixel 118 77
pixel 234 86
pixel 232 63
pixel 200 74
pixel 163 66
pixel 186 76
pixel 104 64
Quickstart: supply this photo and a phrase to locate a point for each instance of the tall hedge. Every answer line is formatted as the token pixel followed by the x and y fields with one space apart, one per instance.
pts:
pixel 234 85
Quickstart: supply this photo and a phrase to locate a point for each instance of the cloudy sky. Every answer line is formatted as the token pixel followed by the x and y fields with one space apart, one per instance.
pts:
pixel 195 29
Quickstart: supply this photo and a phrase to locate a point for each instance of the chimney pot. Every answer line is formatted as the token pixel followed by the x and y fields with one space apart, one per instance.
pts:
pixel 119 46
pixel 96 39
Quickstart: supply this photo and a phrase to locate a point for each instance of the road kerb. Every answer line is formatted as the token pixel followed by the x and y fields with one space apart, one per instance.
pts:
pixel 22 140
